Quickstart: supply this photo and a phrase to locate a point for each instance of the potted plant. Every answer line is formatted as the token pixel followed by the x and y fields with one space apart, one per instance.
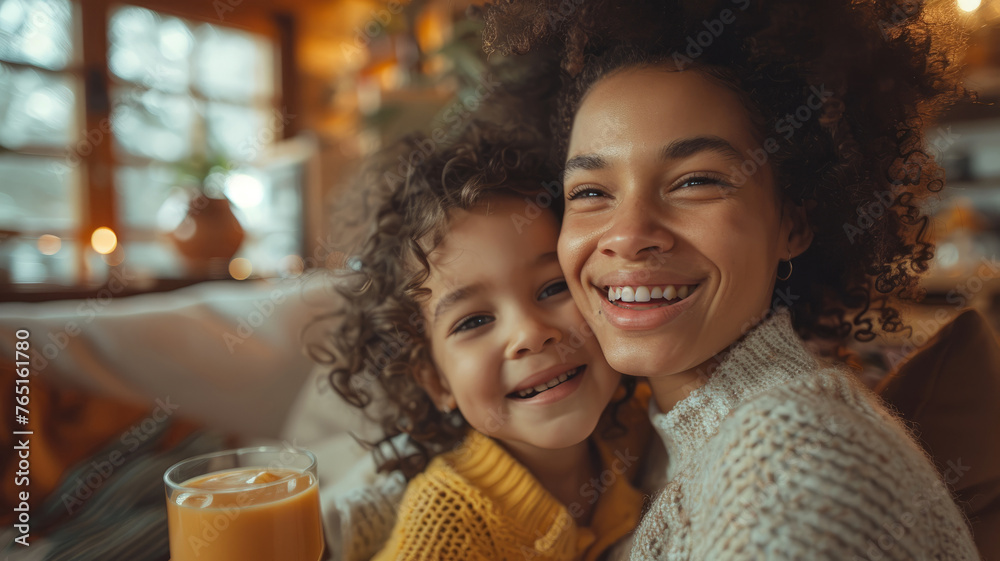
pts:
pixel 210 234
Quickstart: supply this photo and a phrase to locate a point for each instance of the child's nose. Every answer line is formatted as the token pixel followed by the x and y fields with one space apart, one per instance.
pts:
pixel 530 334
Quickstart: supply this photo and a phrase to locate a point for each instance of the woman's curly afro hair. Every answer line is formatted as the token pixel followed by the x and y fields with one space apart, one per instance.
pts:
pixel 857 163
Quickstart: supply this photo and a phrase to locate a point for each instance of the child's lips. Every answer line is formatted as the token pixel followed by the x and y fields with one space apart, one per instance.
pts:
pixel 526 391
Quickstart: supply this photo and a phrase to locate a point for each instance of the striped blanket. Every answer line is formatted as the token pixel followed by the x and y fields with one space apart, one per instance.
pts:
pixel 110 511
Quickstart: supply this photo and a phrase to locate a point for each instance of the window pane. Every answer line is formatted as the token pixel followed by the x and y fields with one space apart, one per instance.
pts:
pixel 240 133
pixel 142 192
pixel 37 32
pixel 22 260
pixel 233 65
pixel 153 124
pixel 36 108
pixel 150 49
pixel 155 259
pixel 38 194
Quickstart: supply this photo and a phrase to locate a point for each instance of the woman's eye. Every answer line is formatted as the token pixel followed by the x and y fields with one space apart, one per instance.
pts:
pixel 584 192
pixel 702 180
pixel 472 323
pixel 553 289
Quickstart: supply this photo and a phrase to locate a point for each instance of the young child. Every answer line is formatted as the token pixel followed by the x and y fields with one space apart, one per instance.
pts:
pixel 459 330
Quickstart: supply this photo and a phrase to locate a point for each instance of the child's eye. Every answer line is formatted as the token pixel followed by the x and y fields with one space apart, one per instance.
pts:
pixel 584 192
pixel 472 322
pixel 553 289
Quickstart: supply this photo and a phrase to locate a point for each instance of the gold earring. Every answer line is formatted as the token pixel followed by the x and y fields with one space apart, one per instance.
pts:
pixel 447 407
pixel 789 275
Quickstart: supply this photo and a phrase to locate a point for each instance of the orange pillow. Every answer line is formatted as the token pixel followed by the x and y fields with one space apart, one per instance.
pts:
pixel 69 426
pixel 950 390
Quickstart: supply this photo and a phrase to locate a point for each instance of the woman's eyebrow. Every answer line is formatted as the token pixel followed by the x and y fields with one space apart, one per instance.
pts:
pixel 678 149
pixel 587 162
pixel 687 147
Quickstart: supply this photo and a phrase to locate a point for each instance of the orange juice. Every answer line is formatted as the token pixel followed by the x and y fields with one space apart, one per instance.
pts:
pixel 246 514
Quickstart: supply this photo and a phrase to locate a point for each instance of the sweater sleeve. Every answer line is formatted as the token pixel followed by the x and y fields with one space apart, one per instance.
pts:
pixel 818 479
pixel 439 521
pixel 358 521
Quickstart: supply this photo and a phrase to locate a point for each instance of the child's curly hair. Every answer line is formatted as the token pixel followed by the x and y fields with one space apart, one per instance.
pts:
pixel 379 345
pixel 858 162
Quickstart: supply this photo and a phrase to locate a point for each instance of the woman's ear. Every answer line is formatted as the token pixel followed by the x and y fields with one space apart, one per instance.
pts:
pixel 795 228
pixel 437 387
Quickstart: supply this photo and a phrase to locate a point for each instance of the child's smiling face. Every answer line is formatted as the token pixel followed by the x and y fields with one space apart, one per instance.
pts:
pixel 501 324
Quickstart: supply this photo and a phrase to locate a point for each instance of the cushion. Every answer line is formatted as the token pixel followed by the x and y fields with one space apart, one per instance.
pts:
pixel 949 392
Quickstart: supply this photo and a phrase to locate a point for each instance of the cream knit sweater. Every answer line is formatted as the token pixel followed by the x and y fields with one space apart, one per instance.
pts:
pixel 781 457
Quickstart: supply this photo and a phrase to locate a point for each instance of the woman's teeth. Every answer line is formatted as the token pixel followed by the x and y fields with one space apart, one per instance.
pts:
pixel 646 294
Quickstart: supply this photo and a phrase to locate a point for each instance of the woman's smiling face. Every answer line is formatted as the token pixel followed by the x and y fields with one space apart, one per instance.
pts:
pixel 670 251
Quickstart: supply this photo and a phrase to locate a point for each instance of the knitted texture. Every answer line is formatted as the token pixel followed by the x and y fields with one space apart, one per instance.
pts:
pixel 781 457
pixel 358 522
pixel 478 502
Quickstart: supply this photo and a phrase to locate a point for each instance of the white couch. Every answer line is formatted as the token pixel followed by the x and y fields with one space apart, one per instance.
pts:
pixel 228 354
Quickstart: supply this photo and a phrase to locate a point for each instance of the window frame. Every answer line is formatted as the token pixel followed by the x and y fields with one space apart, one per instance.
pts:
pixel 97 192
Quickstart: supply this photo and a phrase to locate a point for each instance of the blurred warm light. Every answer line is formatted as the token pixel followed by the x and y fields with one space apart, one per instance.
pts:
pixel 103 240
pixel 245 191
pixel 49 244
pixel 969 5
pixel 240 268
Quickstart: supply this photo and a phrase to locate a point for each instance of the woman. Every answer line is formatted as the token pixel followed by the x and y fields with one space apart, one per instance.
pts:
pixel 717 163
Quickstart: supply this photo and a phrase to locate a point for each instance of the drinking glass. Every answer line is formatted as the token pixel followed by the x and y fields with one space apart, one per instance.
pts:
pixel 252 503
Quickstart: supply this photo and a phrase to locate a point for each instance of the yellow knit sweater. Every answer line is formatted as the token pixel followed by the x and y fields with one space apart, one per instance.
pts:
pixel 478 502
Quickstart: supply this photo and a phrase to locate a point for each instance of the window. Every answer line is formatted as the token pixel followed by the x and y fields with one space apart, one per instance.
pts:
pixel 40 90
pixel 179 95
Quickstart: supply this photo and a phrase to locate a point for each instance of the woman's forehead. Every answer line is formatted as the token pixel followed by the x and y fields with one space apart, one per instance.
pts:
pixel 658 105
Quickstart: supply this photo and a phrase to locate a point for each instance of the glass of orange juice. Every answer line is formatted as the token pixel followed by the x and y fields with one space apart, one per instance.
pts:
pixel 252 503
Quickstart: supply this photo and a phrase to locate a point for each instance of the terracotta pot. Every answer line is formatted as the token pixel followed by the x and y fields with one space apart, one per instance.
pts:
pixel 210 234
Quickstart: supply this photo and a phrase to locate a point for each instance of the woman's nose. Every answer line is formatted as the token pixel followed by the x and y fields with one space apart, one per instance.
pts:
pixel 532 333
pixel 635 228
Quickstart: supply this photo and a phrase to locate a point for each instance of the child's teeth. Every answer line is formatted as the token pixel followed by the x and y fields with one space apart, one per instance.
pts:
pixel 669 293
pixel 642 294
pixel 628 294
pixel 541 387
pixel 657 292
pixel 682 292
